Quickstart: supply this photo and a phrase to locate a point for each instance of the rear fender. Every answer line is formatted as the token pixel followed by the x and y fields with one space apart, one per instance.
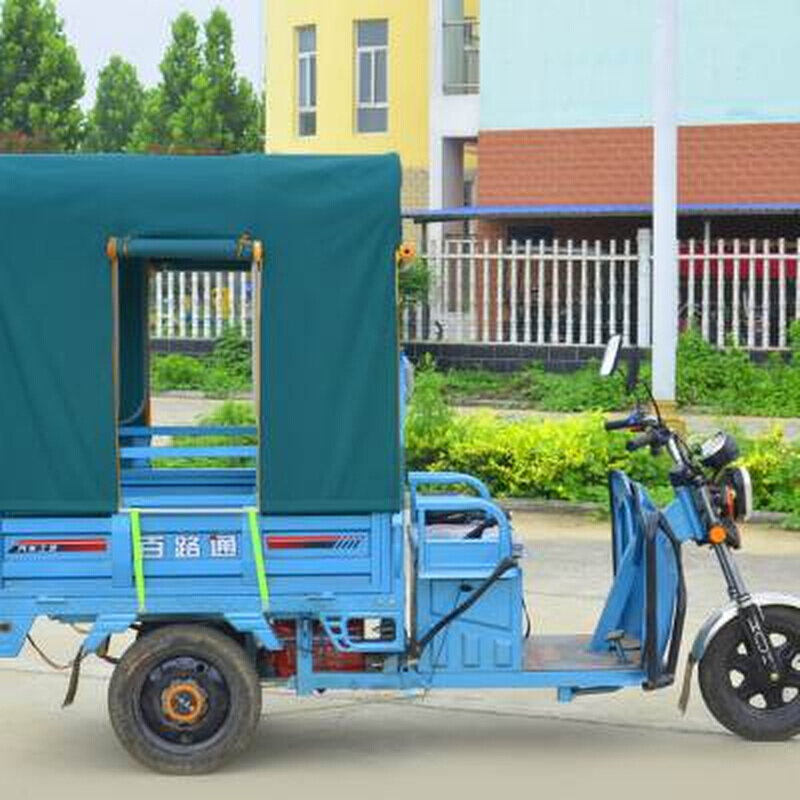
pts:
pixel 255 625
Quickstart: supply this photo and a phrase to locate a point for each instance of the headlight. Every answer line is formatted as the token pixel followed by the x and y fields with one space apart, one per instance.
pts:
pixel 736 493
pixel 719 451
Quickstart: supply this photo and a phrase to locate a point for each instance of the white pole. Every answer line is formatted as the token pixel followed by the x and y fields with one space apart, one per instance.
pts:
pixel 262 59
pixel 665 184
pixel 644 247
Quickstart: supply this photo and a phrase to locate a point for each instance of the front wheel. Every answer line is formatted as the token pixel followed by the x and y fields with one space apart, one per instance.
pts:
pixel 738 692
pixel 185 699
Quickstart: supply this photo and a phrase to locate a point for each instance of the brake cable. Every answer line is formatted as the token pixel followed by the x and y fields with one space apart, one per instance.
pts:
pixel 47 660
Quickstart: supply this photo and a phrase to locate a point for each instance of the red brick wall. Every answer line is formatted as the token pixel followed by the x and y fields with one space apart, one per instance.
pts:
pixel 718 164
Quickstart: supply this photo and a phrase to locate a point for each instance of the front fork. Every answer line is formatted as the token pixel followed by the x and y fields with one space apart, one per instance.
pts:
pixel 750 614
pixel 751 618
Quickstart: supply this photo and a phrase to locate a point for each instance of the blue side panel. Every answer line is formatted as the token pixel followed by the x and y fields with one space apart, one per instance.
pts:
pixel 487 637
pixel 200 564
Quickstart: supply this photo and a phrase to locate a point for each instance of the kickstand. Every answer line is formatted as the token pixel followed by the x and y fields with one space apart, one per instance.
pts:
pixel 614 638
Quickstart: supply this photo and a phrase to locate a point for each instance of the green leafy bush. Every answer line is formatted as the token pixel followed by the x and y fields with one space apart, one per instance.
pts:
pixel 568 459
pixel 227 370
pixel 429 419
pixel 794 342
pixel 176 371
pixel 564 460
pixel 774 465
pixel 727 381
pixel 232 357
pixel 414 282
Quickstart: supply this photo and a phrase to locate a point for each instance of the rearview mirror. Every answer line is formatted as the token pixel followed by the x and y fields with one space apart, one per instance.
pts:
pixel 611 356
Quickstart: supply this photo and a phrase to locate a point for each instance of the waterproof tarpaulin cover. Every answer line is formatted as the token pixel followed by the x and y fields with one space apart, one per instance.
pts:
pixel 329 413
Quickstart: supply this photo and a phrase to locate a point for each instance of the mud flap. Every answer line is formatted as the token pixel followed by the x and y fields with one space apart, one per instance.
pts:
pixel 686 688
pixel 74 679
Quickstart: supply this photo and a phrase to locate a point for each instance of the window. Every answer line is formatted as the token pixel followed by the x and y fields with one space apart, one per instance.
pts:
pixel 372 103
pixel 307 81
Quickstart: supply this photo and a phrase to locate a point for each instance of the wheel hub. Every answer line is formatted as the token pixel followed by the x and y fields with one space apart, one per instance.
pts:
pixel 768 691
pixel 184 703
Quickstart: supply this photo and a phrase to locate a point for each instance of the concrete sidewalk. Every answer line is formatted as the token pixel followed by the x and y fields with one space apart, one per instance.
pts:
pixel 473 743
pixel 187 409
pixel 696 423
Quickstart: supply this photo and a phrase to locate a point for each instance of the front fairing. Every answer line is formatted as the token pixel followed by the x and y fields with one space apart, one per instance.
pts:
pixel 683 515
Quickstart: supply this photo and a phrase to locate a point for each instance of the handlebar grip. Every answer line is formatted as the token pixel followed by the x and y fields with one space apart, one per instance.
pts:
pixel 617 424
pixel 638 442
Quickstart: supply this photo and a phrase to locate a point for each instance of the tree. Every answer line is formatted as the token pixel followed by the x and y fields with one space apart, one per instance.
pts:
pixel 117 110
pixel 201 105
pixel 41 80
pixel 182 62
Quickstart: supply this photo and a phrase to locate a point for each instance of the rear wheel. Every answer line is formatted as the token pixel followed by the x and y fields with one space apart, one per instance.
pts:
pixel 185 699
pixel 738 692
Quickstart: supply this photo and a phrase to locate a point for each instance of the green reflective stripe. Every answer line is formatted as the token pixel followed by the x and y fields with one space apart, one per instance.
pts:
pixel 258 557
pixel 138 557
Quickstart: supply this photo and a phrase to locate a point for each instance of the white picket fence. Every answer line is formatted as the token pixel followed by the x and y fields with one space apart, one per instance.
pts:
pixel 573 293
pixel 567 292
pixel 746 292
pixel 580 292
pixel 200 305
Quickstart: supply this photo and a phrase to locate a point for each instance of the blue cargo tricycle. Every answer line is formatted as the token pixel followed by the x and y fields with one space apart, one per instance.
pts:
pixel 313 563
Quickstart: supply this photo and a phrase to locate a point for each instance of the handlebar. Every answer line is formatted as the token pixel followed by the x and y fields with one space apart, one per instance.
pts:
pixel 652 432
pixel 617 424
pixel 688 471
pixel 643 440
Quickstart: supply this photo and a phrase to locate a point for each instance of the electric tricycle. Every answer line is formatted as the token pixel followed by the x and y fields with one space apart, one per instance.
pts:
pixel 313 563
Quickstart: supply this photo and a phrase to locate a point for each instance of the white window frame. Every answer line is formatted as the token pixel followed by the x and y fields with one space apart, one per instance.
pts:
pixel 371 50
pixel 305 60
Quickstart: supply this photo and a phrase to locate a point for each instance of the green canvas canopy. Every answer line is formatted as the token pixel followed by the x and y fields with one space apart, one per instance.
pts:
pixel 329 375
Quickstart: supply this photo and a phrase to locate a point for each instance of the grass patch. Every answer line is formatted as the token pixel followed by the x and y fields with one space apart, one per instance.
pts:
pixel 721 382
pixel 226 371
pixel 231 414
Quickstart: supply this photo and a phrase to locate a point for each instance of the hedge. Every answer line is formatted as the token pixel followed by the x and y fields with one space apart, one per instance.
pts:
pixel 569 459
pixel 566 459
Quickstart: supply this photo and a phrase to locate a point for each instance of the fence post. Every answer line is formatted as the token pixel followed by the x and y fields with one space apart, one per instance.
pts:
pixel 170 305
pixel 159 305
pixel 644 250
pixel 196 310
pixel 781 292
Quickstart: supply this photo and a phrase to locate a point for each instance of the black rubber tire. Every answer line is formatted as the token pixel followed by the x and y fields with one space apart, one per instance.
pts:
pixel 730 708
pixel 242 714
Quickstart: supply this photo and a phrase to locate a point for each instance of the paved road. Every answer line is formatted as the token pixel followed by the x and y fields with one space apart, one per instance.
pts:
pixel 186 410
pixel 474 744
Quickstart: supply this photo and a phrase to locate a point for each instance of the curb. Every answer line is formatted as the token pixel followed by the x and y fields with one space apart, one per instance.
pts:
pixel 531 505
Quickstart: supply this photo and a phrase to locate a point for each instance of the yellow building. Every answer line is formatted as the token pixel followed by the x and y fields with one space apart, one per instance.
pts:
pixel 376 76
